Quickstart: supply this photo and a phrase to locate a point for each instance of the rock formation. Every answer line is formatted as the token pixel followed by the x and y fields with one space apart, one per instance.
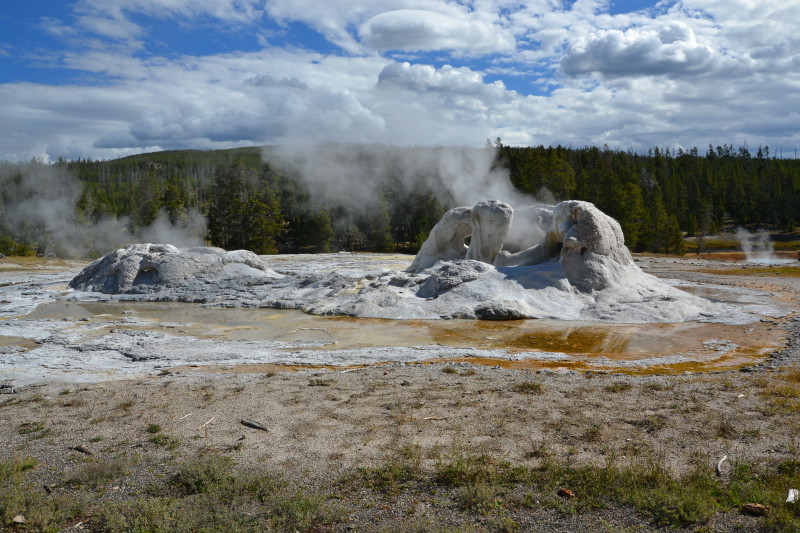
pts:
pixel 141 268
pixel 566 262
pixel 446 239
pixel 491 221
pixel 588 243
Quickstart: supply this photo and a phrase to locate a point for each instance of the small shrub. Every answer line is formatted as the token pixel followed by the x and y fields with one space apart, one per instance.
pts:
pixel 95 474
pixel 502 523
pixel 124 406
pixel 593 434
pixel 461 468
pixel 204 474
pixel 528 387
pixel 678 508
pixel 397 473
pixel 154 428
pixel 651 424
pixel 618 386
pixel 479 497
pixel 165 441
pixel 8 468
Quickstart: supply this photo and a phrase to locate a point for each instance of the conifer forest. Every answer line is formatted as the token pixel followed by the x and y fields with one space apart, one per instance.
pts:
pixel 242 199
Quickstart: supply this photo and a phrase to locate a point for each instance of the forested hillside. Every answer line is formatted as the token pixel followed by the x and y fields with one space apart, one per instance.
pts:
pixel 250 198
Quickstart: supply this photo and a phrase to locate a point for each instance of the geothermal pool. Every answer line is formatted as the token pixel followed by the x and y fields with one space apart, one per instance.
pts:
pixel 48 333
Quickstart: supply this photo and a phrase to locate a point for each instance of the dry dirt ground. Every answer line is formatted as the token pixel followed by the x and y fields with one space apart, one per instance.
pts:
pixel 323 430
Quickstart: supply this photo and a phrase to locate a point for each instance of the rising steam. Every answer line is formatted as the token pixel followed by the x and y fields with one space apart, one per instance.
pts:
pixel 39 210
pixel 353 175
pixel 758 247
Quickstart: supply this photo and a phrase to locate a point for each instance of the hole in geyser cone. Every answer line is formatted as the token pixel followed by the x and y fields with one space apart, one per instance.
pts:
pixel 147 276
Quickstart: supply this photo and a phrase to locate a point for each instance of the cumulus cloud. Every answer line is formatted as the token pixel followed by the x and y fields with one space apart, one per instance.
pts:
pixel 415 29
pixel 433 72
pixel 671 50
pixel 448 79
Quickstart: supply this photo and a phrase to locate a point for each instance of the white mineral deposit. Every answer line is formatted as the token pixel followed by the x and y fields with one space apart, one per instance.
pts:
pixel 566 262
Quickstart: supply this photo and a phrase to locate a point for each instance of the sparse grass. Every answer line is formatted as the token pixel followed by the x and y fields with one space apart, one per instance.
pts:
pixel 397 473
pixel 461 468
pixel 209 493
pixel 204 475
pixel 29 428
pixel 782 395
pixel 42 512
pixel 618 386
pixel 165 441
pixel 72 402
pixel 16 465
pixel 726 428
pixel 651 423
pixel 528 387
pixel 154 428
pixel 320 382
pixel 480 497
pixel 593 434
pixel 124 406
pixel 96 473
pixel 449 370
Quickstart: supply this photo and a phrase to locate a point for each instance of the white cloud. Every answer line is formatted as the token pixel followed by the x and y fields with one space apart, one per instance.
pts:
pixel 415 29
pixel 671 50
pixel 425 78
pixel 689 73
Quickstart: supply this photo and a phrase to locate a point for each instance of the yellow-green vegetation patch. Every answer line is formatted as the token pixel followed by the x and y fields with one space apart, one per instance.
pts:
pixel 782 393
pixel 528 387
pixel 770 271
pixel 210 493
pixel 714 245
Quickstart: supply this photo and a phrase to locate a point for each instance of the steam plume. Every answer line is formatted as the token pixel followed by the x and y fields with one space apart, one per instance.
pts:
pixel 39 210
pixel 352 175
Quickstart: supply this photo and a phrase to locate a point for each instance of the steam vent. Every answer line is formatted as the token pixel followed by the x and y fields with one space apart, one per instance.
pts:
pixel 566 261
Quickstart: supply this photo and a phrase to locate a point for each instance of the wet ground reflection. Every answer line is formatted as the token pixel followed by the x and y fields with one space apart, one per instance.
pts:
pixel 612 346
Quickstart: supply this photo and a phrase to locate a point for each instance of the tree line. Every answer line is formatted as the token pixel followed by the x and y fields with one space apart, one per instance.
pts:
pixel 248 202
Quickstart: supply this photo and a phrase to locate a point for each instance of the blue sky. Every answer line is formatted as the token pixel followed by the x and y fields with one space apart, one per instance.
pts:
pixel 108 78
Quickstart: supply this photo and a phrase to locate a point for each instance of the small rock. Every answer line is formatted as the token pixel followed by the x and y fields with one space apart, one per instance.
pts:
pixel 19 519
pixel 405 383
pixel 83 449
pixel 565 493
pixel 252 424
pixel 755 509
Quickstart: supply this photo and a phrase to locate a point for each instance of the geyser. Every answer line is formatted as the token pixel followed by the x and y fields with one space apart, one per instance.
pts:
pixel 588 243
pixel 566 262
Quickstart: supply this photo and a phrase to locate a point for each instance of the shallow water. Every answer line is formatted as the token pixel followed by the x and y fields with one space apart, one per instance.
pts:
pixel 616 345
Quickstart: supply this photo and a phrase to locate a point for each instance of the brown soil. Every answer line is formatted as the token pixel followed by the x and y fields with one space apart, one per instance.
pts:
pixel 323 423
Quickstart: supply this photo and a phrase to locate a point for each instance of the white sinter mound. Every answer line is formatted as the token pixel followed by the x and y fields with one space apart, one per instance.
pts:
pixel 567 261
